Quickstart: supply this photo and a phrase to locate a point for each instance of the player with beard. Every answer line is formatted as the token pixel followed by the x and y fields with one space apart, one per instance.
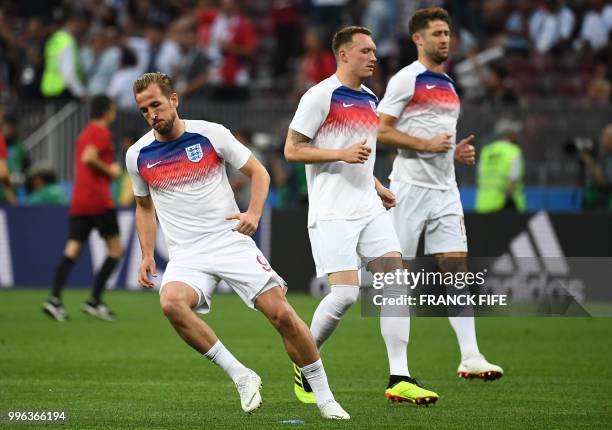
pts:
pixel 178 172
pixel 418 116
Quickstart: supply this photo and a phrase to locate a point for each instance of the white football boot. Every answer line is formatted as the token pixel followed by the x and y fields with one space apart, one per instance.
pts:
pixel 248 387
pixel 476 366
pixel 332 410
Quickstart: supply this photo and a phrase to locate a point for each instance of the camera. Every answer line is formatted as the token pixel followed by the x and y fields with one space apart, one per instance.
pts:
pixel 577 145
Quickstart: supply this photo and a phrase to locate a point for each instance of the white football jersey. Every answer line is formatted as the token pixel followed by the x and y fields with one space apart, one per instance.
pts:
pixel 335 117
pixel 425 104
pixel 187 181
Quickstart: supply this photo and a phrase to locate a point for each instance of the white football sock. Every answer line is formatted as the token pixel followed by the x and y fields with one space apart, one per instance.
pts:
pixel 329 312
pixel 465 330
pixel 316 377
pixel 221 356
pixel 395 330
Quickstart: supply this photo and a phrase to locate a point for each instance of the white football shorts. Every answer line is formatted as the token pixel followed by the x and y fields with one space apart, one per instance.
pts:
pixel 438 212
pixel 229 256
pixel 340 245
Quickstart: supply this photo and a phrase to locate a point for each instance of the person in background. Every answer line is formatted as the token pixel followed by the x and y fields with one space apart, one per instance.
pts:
pixel 500 172
pixel 8 195
pixel 120 87
pixel 43 188
pixel 192 72
pixel 62 79
pixel 598 192
pixel 91 207
pixel 231 49
pixel 17 159
pixel 317 64
pixel 101 60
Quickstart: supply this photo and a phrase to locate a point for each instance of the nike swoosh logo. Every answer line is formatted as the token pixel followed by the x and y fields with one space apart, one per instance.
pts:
pixel 345 105
pixel 152 165
pixel 429 87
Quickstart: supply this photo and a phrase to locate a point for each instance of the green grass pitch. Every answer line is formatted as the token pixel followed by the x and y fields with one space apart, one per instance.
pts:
pixel 137 373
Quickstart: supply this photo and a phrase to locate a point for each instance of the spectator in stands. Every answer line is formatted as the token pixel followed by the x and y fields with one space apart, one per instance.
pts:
pixel 594 31
pixel 232 46
pixel 288 30
pixel 379 18
pixel 500 172
pixel 205 15
pixel 6 189
pixel 120 86
pixel 62 79
pixel 599 89
pixel 498 90
pixel 492 16
pixel 156 52
pixel 607 17
pixel 17 154
pixel 192 73
pixel 142 12
pixel 318 63
pixel 518 26
pixel 30 61
pixel 100 60
pixel 42 187
pixel 551 25
pixel 598 191
pixel 328 14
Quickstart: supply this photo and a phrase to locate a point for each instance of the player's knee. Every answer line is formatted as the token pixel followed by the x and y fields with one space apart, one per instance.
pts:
pixel 284 319
pixel 452 264
pixel 173 307
pixel 345 297
pixel 72 249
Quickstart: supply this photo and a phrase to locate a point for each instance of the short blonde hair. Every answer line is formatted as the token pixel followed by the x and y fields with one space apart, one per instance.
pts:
pixel 162 80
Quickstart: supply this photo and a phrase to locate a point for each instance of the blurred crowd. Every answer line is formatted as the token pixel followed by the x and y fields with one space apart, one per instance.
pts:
pixel 504 53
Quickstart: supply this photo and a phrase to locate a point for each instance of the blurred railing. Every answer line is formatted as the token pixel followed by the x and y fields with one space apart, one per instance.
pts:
pixel 548 127
pixel 54 141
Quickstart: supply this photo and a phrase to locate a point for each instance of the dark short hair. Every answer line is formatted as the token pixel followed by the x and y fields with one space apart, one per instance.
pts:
pixel 99 105
pixel 345 35
pixel 422 17
pixel 128 58
pixel 162 80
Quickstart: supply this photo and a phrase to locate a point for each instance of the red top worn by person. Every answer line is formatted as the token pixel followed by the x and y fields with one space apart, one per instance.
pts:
pixel 91 193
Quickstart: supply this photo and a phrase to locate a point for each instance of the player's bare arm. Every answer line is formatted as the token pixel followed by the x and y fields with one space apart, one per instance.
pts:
pixel 391 136
pixel 260 183
pixel 465 151
pixel 298 149
pixel 146 227
pixel 385 194
pixel 91 158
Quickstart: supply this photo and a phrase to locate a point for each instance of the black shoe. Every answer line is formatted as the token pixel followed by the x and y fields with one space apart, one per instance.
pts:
pixel 99 310
pixel 55 309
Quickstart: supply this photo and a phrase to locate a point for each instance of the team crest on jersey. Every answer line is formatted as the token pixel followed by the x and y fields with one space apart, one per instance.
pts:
pixel 373 106
pixel 194 152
